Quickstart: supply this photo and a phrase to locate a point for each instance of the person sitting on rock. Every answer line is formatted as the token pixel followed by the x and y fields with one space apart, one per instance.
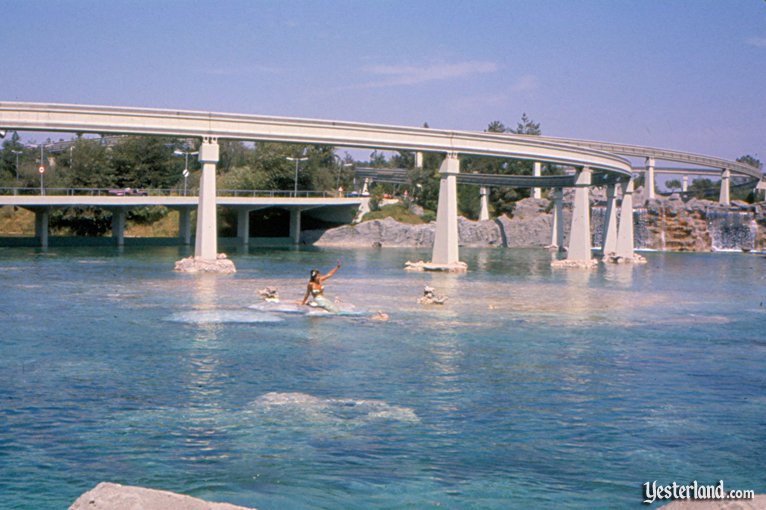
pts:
pixel 269 294
pixel 430 298
pixel 315 290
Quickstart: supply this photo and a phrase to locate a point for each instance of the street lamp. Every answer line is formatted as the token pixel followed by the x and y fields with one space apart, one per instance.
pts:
pixel 340 167
pixel 18 153
pixel 41 169
pixel 179 152
pixel 297 160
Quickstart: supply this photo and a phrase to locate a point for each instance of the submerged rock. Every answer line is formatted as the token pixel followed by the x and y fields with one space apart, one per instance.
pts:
pixel 113 496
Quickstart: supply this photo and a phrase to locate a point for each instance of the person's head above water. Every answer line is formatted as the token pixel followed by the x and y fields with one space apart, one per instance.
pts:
pixel 314 274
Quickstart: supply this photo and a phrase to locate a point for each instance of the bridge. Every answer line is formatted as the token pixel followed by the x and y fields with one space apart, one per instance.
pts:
pixel 317 205
pixel 587 159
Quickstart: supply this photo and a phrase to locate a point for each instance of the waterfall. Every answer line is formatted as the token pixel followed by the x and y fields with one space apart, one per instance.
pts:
pixel 641 235
pixel 597 218
pixel 731 230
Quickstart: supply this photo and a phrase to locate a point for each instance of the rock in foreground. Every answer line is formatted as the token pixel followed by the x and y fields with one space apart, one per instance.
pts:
pixel 113 496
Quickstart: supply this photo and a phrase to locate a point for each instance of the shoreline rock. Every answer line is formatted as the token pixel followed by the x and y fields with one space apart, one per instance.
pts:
pixel 113 496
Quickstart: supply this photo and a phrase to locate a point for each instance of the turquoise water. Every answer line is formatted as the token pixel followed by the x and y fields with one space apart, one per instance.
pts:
pixel 529 388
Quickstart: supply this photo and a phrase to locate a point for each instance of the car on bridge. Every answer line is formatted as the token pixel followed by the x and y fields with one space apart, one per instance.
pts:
pixel 127 192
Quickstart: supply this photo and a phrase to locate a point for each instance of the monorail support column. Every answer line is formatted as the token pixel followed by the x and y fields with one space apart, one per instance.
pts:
pixel 484 212
pixel 206 257
pixel 445 256
pixel 685 183
pixel 418 159
pixel 579 250
pixel 42 217
pixel 557 230
pixel 649 180
pixel 537 171
pixel 243 226
pixel 724 198
pixel 295 225
pixel 118 225
pixel 609 243
pixel 624 252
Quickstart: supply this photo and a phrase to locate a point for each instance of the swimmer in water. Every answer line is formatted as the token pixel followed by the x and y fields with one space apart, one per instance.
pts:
pixel 315 290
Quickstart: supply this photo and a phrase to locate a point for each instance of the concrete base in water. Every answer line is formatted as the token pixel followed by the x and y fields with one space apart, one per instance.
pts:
pixel 455 267
pixel 613 258
pixel 199 265
pixel 579 264
pixel 113 496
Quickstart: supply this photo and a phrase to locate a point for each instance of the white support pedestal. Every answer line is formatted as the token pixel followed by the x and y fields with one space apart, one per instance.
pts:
pixel 624 251
pixel 579 250
pixel 483 196
pixel 557 230
pixel 537 171
pixel 609 244
pixel 445 256
pixel 724 197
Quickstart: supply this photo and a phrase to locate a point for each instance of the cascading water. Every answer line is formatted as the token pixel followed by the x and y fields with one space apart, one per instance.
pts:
pixel 597 218
pixel 731 230
pixel 641 234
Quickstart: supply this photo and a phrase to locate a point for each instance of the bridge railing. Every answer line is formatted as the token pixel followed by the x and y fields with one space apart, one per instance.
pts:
pixel 164 192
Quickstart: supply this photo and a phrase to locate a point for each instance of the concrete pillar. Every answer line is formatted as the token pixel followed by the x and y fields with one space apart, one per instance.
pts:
pixel 118 225
pixel 484 213
pixel 557 232
pixel 625 230
pixel 537 172
pixel 724 197
pixel 609 243
pixel 579 249
pixel 685 183
pixel 445 249
pixel 184 225
pixel 206 242
pixel 649 180
pixel 418 160
pixel 243 225
pixel 295 225
pixel 41 226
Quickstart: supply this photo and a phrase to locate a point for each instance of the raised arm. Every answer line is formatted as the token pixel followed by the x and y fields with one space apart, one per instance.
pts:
pixel 330 272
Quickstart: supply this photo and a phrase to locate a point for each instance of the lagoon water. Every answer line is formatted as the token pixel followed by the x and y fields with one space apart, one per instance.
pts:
pixel 529 388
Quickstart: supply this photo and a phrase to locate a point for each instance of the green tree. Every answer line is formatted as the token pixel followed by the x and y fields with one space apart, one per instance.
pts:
pixel 673 184
pixel 146 162
pixel 87 165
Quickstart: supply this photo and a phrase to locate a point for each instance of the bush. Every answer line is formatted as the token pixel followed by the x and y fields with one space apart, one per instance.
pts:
pixel 395 211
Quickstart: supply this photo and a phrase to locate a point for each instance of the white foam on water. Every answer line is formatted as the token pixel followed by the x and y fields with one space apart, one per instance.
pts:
pixel 279 307
pixel 331 410
pixel 223 316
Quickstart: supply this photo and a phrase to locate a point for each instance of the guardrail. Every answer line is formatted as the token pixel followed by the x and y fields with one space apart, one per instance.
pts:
pixel 153 192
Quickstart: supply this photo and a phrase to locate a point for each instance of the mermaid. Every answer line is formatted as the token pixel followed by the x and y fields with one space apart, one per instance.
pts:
pixel 315 290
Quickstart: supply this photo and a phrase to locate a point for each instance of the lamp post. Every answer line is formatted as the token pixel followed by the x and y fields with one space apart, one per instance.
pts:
pixel 17 153
pixel 297 161
pixel 341 165
pixel 185 173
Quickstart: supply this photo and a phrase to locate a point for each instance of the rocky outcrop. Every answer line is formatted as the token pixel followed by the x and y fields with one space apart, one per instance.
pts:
pixel 666 224
pixel 530 226
pixel 113 496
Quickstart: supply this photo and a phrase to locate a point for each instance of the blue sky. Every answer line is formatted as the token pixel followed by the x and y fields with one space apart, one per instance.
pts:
pixel 687 75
